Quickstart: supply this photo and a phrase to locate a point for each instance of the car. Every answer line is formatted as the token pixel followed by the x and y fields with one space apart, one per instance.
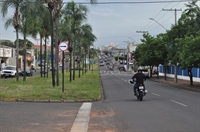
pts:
pixel 29 72
pixel 44 71
pixel 8 71
pixel 77 68
pixel 101 63
pixel 145 72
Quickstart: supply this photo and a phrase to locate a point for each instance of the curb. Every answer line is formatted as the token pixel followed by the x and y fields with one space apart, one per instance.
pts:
pixel 175 85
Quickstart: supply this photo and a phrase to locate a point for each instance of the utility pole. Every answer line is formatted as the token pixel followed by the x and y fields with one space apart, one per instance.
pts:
pixel 175 66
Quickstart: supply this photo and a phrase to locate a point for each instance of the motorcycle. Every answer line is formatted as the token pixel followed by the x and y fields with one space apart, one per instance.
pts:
pixel 140 91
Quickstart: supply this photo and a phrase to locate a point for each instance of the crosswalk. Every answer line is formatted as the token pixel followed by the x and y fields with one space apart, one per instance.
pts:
pixel 111 72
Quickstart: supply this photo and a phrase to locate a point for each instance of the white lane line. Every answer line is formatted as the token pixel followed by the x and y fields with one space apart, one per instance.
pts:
pixel 178 103
pixel 156 94
pixel 82 119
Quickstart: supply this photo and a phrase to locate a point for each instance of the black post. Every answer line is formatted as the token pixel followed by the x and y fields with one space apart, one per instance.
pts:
pixel 63 71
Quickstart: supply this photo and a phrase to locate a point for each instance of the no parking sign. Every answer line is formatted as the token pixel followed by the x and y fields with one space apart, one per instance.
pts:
pixel 63 46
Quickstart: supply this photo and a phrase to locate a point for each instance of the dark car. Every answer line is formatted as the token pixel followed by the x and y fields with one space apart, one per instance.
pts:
pixel 29 72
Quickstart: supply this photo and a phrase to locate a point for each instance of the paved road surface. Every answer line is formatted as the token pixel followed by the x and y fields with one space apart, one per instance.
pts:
pixel 164 109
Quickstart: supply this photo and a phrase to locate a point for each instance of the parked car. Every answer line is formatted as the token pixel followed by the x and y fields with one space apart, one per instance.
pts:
pixel 8 71
pixel 46 70
pixel 77 68
pixel 29 72
pixel 145 72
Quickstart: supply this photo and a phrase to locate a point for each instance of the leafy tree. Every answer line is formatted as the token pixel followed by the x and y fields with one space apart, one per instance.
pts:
pixel 7 43
pixel 189 54
pixel 184 36
pixel 29 44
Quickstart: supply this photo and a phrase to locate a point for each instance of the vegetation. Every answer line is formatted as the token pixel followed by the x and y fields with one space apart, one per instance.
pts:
pixel 70 25
pixel 179 45
pixel 36 88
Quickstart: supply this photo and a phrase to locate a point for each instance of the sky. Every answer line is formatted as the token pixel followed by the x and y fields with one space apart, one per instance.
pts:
pixel 120 23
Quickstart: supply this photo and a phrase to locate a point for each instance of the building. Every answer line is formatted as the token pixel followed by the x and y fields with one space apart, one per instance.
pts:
pixel 8 56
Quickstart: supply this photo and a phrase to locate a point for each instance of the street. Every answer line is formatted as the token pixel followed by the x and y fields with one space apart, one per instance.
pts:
pixel 164 109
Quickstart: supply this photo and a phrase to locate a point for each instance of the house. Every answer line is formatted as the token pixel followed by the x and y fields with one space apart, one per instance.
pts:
pixel 8 56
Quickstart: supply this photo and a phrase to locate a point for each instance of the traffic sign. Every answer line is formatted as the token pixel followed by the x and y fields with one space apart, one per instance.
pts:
pixel 63 46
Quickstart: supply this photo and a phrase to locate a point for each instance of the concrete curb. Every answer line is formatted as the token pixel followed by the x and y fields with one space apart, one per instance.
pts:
pixel 175 85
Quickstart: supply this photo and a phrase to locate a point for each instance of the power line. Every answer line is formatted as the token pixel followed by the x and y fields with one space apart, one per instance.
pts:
pixel 136 2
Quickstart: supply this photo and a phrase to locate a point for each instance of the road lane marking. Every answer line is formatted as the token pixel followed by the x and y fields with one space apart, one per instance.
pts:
pixel 156 94
pixel 82 119
pixel 179 103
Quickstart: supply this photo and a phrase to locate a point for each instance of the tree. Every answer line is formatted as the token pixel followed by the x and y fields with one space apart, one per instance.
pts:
pixel 7 43
pixel 185 39
pixel 20 8
pixel 189 54
pixel 74 15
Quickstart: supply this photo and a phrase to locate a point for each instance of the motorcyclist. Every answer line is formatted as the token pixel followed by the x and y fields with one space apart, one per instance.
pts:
pixel 140 77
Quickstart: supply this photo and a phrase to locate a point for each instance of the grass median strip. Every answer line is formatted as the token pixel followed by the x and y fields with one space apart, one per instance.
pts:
pixel 87 87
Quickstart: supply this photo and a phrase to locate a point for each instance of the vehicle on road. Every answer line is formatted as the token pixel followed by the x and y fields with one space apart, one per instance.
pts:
pixel 101 63
pixel 145 72
pixel 121 68
pixel 28 72
pixel 140 90
pixel 8 71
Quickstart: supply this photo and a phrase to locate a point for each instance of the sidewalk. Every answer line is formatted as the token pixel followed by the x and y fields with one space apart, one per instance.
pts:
pixel 183 84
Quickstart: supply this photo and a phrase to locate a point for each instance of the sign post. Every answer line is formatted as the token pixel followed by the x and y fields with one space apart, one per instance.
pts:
pixel 63 46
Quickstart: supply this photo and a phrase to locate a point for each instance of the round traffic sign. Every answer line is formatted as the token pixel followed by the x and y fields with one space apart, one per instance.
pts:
pixel 63 46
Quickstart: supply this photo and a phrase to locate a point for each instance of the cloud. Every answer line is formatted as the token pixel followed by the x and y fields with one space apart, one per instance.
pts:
pixel 105 12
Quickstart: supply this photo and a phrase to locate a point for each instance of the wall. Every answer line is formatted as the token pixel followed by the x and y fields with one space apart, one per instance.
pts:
pixel 182 73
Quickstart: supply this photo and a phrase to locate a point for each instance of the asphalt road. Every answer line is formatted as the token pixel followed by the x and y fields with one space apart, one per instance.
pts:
pixel 164 109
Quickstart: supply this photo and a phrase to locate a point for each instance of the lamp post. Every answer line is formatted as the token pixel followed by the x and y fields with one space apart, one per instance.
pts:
pixel 127 62
pixel 165 61
pixel 132 39
pixel 158 23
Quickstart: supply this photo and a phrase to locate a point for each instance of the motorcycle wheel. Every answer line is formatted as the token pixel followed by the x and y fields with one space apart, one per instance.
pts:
pixel 140 95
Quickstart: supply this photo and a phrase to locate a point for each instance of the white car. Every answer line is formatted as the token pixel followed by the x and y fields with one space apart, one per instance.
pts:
pixel 145 72
pixel 101 63
pixel 8 71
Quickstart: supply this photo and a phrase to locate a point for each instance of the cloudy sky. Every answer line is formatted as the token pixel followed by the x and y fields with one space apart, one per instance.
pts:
pixel 117 21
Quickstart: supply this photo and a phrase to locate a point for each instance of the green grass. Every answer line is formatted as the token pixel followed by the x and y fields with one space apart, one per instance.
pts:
pixel 87 87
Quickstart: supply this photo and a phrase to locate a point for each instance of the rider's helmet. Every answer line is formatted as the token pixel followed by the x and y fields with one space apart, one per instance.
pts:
pixel 139 70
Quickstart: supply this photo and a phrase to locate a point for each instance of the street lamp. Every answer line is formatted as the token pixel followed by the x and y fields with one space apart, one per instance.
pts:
pixel 158 23
pixel 127 54
pixel 132 39
pixel 166 30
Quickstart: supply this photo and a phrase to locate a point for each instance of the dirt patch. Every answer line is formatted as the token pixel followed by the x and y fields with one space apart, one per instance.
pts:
pixel 101 120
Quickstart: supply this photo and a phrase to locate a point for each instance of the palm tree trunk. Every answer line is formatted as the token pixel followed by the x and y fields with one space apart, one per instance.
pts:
pixel 17 56
pixel 70 63
pixel 41 56
pixel 45 56
pixel 74 60
pixel 56 56
pixel 52 55
pixel 24 60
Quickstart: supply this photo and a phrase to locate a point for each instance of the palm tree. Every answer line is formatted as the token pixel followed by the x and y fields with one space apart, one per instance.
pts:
pixel 76 14
pixel 20 7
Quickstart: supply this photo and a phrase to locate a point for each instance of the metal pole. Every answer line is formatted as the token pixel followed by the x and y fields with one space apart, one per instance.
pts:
pixel 175 66
pixel 63 71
